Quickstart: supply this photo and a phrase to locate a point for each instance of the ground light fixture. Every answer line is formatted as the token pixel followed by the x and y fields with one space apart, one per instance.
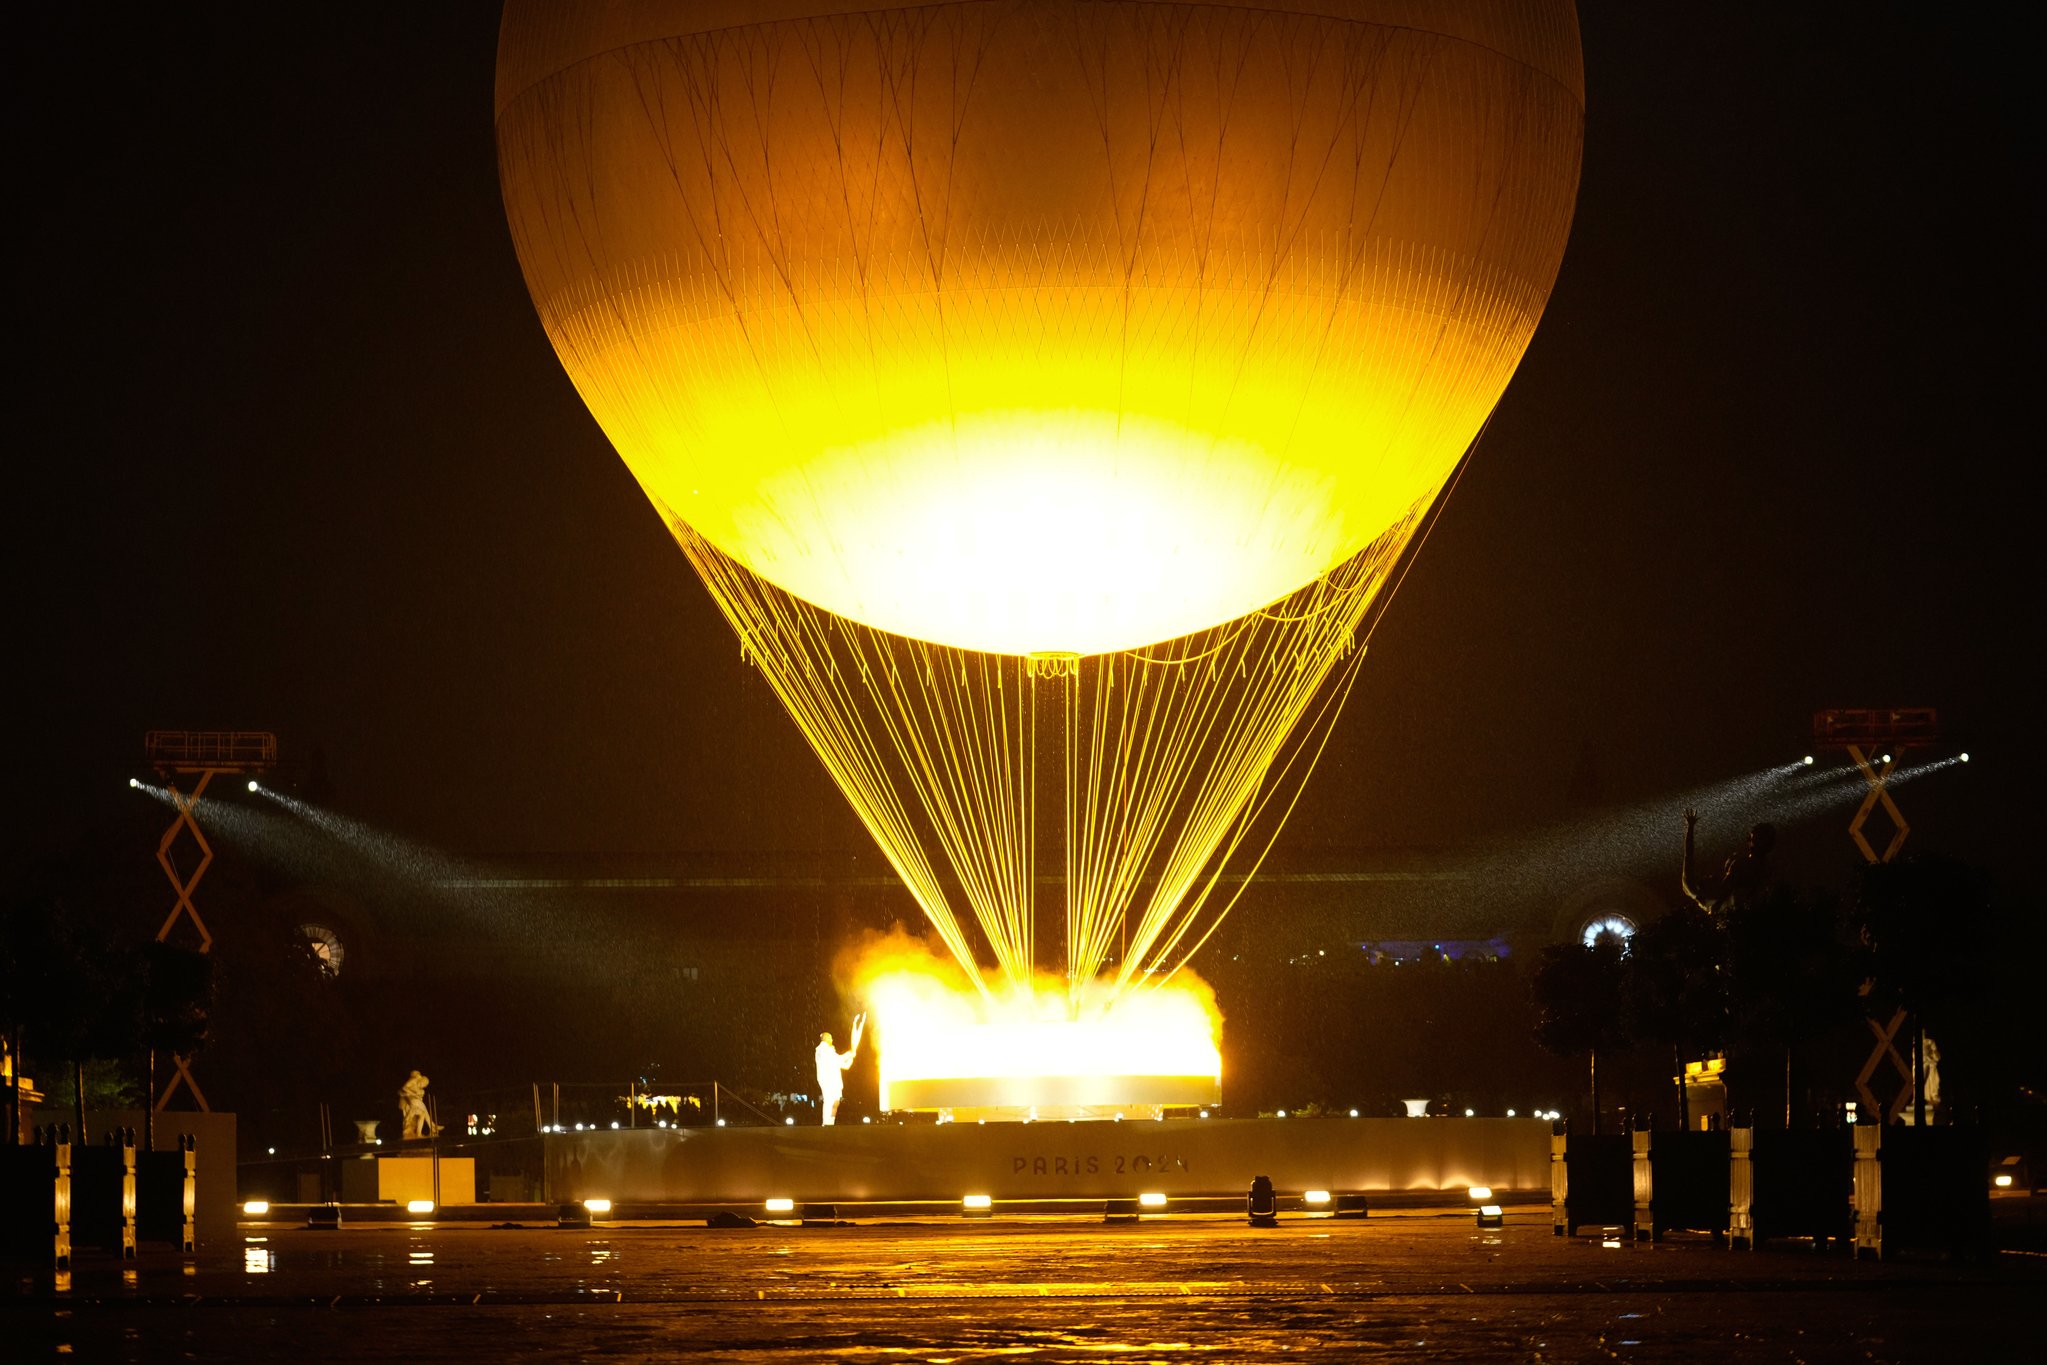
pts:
pixel 597 1206
pixel 135 782
pixel 976 1206
pixel 780 1206
pixel 256 1208
pixel 1315 1199
pixel 1151 1199
pixel 1261 1207
pixel 254 785
pixel 1491 1215
pixel 1479 1194
pixel 419 1206
pixel 2003 1182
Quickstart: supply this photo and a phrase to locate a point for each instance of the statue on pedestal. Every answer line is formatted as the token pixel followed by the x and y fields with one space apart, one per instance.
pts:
pixel 412 1108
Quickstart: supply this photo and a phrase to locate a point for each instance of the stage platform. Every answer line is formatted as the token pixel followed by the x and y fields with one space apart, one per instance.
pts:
pixel 1022 1163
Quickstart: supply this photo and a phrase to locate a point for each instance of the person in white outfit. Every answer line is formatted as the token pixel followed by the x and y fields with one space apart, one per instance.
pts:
pixel 831 1069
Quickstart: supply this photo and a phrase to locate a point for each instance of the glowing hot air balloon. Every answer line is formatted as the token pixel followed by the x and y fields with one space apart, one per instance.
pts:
pixel 1083 357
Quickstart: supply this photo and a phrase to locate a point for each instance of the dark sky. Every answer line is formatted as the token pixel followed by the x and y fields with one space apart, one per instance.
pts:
pixel 292 452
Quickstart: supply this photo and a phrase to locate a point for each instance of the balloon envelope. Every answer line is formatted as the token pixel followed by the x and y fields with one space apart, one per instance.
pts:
pixel 1046 326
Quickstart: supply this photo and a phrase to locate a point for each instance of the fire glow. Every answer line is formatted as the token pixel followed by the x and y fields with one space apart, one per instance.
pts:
pixel 1053 1053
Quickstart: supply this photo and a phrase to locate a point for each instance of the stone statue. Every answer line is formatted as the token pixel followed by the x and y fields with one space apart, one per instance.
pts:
pixel 1741 876
pixel 831 1066
pixel 1929 1081
pixel 412 1108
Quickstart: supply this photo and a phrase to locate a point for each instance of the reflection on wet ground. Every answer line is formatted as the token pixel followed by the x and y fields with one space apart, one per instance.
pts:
pixel 1428 1288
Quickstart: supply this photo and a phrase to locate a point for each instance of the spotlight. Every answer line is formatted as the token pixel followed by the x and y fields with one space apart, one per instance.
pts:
pixel 419 1206
pixel 1261 1207
pixel 256 1208
pixel 614 1123
pixel 1510 1113
pixel 976 1206
pixel 721 1123
pixel 135 782
pixel 1479 1194
pixel 2003 1182
pixel 1964 755
pixel 786 1123
pixel 1490 1215
pixel 781 1206
pixel 1471 1113
pixel 1152 1199
pixel 254 785
pixel 1883 758
pixel 1353 1113
pixel 1315 1198
pixel 597 1205
pixel 1282 1113
pixel 1807 760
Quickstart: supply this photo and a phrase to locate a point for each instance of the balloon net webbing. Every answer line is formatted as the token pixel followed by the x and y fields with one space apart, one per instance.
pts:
pixel 1158 767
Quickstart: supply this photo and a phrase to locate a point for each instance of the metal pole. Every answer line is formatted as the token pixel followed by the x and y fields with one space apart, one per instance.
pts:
pixel 433 1151
pixel 1918 1076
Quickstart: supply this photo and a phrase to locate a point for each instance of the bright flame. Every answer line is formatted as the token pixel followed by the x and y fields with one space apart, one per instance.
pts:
pixel 1038 1053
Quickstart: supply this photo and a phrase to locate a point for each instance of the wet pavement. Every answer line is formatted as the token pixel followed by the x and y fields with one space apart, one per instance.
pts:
pixel 1424 1287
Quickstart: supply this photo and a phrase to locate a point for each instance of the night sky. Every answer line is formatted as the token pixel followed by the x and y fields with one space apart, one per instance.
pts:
pixel 291 452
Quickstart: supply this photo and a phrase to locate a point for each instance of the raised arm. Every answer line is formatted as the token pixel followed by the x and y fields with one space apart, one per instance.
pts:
pixel 1686 877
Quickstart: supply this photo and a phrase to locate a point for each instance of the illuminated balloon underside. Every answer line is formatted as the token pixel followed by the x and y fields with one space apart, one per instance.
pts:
pixel 1046 384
